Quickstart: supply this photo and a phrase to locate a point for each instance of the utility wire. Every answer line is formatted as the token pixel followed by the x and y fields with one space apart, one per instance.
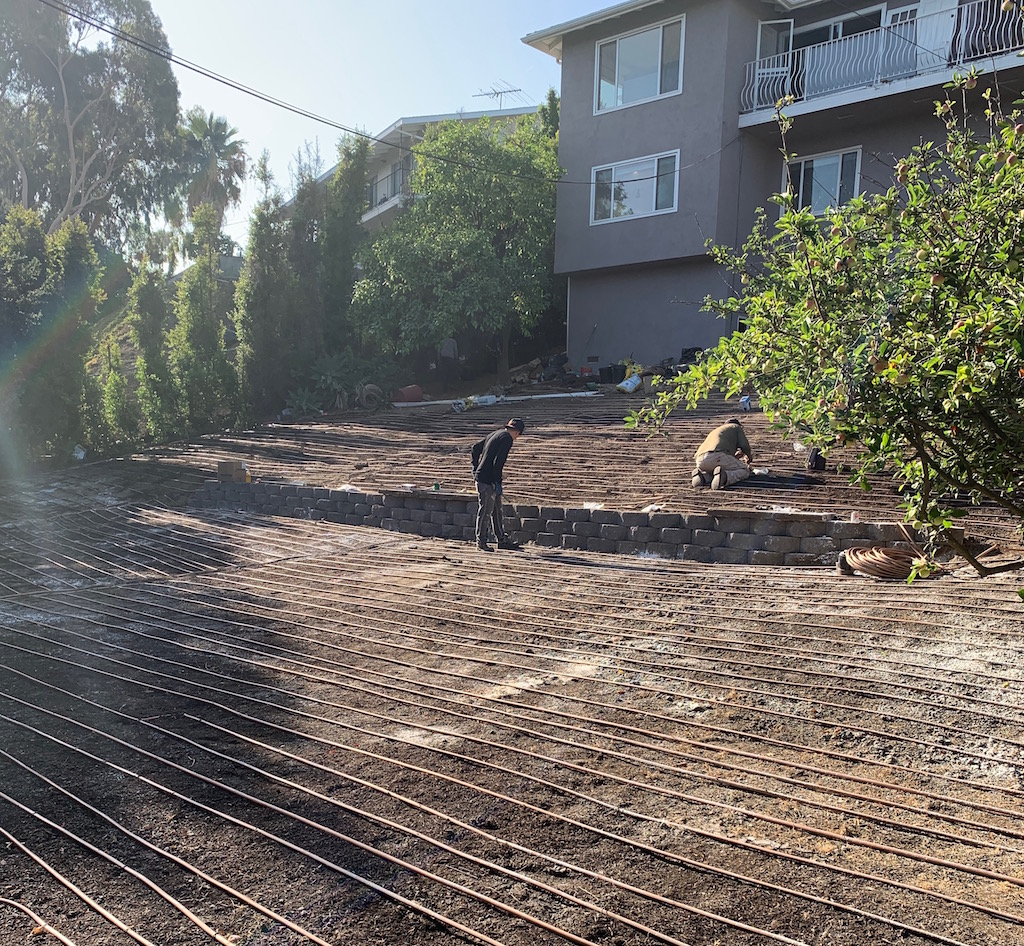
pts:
pixel 164 53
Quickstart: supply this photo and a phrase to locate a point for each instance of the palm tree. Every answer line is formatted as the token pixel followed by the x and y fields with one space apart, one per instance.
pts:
pixel 216 160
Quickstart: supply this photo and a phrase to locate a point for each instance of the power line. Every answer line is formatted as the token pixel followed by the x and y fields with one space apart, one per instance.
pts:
pixel 118 33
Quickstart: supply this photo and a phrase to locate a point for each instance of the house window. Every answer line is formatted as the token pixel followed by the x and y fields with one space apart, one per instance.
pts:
pixel 641 66
pixel 635 188
pixel 825 180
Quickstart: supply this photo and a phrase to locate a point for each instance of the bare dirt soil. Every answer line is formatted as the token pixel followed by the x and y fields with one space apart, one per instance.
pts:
pixel 216 726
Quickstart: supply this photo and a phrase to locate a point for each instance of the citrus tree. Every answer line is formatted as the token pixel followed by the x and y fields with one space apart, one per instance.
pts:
pixel 893 325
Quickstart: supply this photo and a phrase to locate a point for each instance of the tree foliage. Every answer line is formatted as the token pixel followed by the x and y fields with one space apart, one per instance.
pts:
pixel 199 364
pixel 474 249
pixel 88 122
pixel 264 298
pixel 214 162
pixel 149 318
pixel 895 326
pixel 48 294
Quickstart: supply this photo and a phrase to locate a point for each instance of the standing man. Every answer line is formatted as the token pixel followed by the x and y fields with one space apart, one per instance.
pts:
pixel 489 456
pixel 448 362
pixel 724 458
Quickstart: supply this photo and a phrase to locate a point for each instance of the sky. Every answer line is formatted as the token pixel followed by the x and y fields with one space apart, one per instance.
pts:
pixel 362 65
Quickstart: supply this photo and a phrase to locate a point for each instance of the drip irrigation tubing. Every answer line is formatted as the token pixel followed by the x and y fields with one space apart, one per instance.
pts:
pixel 618 708
pixel 162 852
pixel 414 687
pixel 92 904
pixel 666 855
pixel 41 924
pixel 414 724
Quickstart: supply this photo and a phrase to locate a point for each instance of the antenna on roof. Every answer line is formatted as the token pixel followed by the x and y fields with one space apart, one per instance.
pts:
pixel 499 92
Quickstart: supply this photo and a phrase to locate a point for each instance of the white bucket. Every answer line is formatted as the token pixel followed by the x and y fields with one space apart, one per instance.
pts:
pixel 630 384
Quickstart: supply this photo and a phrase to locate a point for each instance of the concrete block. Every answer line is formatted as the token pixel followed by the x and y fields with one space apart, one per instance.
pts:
pixel 743 540
pixel 842 529
pixel 521 537
pixel 695 553
pixel 644 534
pixel 455 505
pixel 317 515
pixel 675 536
pixel 451 532
pixel 733 524
pixel 464 519
pixel 626 547
pixel 807 529
pixel 885 532
pixel 698 522
pixel 559 527
pixel 401 513
pixel 351 519
pixel 574 542
pixel 390 500
pixel 409 526
pixel 430 530
pixel 614 532
pixel 819 544
pixel 709 538
pixel 663 520
pixel 433 505
pixel 362 509
pixel 600 545
pixel 512 523
pixel 606 517
pixel 761 557
pixel 728 556
pixel 586 529
pixel 548 540
pixel 375 510
pixel 527 512
pixel 305 492
pixel 373 499
pixel 441 518
pixel 417 515
pixel 804 559
pixel 533 526
pixel 663 549
pixel 781 543
pixel 552 512
pixel 635 519
pixel 577 515
pixel 769 525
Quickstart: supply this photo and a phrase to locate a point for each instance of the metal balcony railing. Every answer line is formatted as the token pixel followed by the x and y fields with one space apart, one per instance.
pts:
pixel 938 42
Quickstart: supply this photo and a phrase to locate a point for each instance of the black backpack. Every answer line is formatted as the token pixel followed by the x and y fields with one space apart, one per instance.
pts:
pixel 815 460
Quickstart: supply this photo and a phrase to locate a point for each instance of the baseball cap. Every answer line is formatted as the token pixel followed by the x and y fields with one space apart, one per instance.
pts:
pixel 516 424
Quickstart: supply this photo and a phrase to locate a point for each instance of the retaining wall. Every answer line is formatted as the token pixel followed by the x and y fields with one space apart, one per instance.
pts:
pixel 737 537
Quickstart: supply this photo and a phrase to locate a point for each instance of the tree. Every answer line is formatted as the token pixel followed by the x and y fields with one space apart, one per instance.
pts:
pixel 264 298
pixel 24 277
pixel 894 327
pixel 48 387
pixel 198 360
pixel 120 409
pixel 549 113
pixel 87 122
pixel 474 250
pixel 215 161
pixel 149 317
pixel 343 235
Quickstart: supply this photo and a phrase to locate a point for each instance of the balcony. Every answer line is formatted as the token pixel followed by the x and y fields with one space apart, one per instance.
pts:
pixel 921 50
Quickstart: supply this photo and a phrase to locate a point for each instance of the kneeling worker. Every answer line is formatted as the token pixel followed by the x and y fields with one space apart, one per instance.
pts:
pixel 489 456
pixel 724 458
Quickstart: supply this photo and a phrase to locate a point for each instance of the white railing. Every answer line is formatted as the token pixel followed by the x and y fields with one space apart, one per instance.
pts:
pixel 938 42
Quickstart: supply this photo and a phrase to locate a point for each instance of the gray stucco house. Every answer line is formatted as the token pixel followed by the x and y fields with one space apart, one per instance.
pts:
pixel 668 138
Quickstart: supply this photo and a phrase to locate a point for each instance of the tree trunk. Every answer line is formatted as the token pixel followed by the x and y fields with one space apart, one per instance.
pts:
pixel 504 374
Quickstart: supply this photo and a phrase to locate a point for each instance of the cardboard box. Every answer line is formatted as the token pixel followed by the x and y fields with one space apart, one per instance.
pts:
pixel 227 470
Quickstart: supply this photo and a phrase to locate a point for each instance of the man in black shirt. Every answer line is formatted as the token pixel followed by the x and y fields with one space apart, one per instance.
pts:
pixel 489 456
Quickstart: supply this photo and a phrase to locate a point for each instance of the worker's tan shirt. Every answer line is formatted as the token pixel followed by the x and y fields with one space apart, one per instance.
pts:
pixel 726 439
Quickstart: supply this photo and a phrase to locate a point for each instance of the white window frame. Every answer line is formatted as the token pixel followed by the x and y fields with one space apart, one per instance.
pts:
pixel 681 20
pixel 839 153
pixel 654 212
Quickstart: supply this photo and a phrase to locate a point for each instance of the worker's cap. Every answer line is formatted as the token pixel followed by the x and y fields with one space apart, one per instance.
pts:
pixel 516 423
